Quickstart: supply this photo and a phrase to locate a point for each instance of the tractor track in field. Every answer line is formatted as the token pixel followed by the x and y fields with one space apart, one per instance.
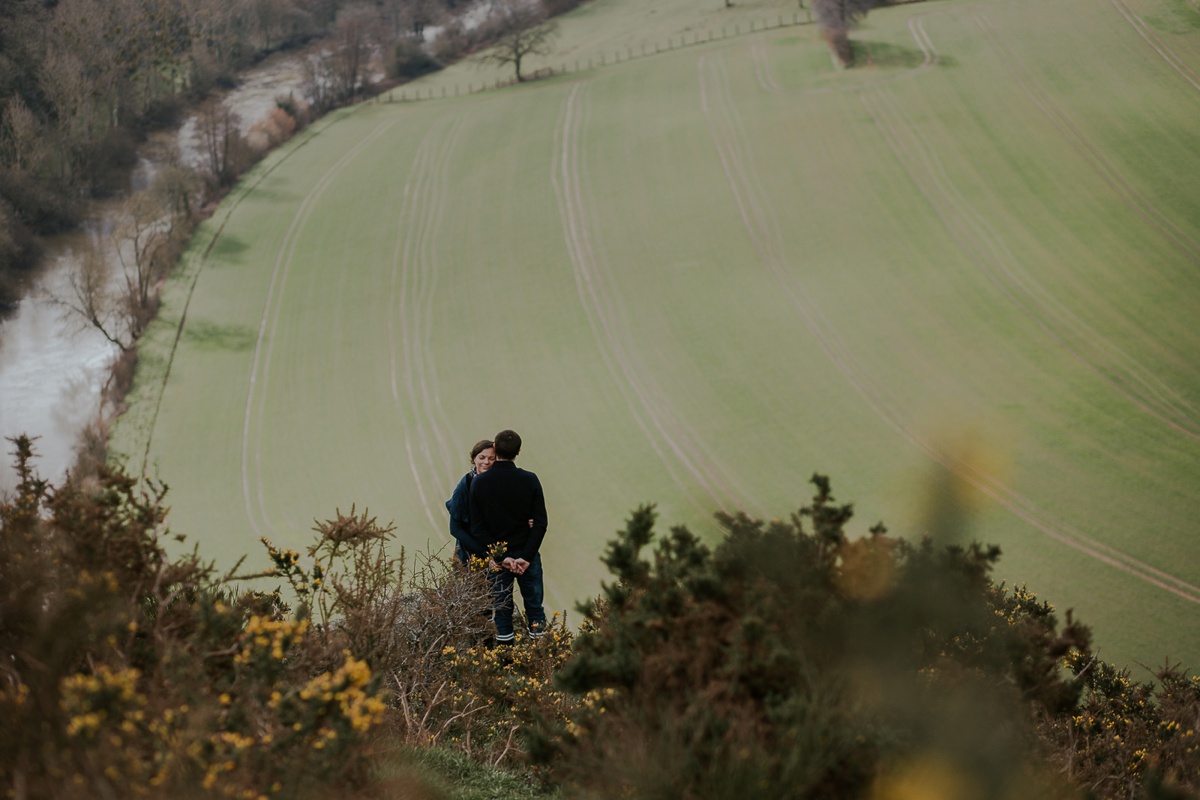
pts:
pixel 1147 33
pixel 759 221
pixel 762 67
pixel 976 244
pixel 985 247
pixel 264 344
pixel 413 283
pixel 1085 148
pixel 670 437
pixel 243 190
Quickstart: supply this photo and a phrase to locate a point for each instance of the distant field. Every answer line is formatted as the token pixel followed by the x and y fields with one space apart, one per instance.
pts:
pixel 697 277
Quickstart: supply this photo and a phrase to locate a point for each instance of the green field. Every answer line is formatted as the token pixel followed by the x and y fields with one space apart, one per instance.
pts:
pixel 695 278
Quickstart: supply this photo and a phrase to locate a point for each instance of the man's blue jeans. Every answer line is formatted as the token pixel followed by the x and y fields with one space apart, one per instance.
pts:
pixel 531 593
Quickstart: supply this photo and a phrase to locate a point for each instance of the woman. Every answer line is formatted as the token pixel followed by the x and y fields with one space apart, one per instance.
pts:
pixel 483 455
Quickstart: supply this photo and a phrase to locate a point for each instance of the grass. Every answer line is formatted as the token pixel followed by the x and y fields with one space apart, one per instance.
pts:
pixel 698 277
pixel 443 774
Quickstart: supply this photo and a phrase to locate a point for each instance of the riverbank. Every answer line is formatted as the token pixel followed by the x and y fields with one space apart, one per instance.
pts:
pixel 54 367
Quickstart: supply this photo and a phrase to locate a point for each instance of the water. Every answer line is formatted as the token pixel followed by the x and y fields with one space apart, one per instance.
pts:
pixel 52 369
pixel 52 373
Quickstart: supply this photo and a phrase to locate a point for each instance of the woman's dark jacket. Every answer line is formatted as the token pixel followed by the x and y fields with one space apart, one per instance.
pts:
pixel 460 517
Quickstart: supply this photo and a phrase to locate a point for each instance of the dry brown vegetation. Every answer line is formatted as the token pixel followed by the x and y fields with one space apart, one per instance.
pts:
pixel 789 658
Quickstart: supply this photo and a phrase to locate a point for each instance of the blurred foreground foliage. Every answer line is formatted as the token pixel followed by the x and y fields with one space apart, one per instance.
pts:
pixel 794 661
pixel 790 660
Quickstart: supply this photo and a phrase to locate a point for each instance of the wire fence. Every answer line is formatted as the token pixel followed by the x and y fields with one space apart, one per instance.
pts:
pixel 411 94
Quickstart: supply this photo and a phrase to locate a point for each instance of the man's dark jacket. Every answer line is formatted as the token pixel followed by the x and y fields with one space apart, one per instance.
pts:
pixel 503 500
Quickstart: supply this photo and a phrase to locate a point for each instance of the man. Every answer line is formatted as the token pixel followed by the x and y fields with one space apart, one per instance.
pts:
pixel 507 505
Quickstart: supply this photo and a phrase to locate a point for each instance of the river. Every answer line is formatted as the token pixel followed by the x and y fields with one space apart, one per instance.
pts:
pixel 52 368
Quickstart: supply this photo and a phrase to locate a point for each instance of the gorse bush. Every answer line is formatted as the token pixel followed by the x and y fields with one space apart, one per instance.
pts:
pixel 788 660
pixel 1126 737
pixel 127 673
pixel 791 660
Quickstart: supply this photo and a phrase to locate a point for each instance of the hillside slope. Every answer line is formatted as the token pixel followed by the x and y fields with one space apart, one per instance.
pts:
pixel 696 277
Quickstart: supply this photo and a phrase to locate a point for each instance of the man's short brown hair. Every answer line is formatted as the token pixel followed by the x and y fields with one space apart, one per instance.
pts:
pixel 508 445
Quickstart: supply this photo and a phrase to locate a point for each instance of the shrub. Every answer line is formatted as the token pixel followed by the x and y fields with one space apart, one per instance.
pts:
pixel 34 204
pixel 799 662
pixel 1129 738
pixel 124 672
pixel 411 60
pixel 495 693
pixel 555 7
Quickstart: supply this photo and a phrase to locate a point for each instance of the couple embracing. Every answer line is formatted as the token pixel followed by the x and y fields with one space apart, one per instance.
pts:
pixel 498 503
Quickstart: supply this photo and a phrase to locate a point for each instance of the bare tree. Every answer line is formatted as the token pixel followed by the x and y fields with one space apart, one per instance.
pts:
pixel 120 299
pixel 357 32
pixel 20 135
pixel 65 84
pixel 95 300
pixel 225 149
pixel 178 189
pixel 408 18
pixel 523 31
pixel 836 18
pixel 318 86
pixel 141 243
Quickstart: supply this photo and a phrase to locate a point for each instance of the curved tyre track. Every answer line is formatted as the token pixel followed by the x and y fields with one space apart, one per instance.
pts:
pixel 1167 54
pixel 986 249
pixel 412 286
pixel 264 344
pixel 241 192
pixel 1137 203
pixel 669 435
pixel 760 223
